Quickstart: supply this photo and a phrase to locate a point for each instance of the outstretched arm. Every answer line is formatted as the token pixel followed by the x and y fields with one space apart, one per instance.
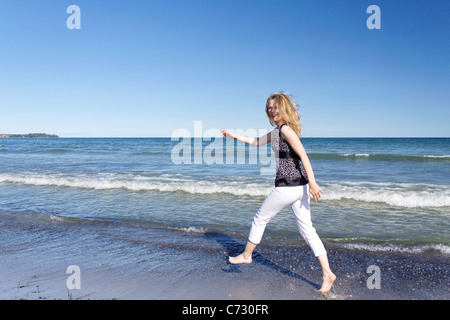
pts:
pixel 291 137
pixel 249 140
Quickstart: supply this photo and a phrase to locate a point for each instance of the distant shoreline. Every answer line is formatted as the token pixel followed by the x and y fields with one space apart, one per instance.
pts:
pixel 209 137
pixel 28 135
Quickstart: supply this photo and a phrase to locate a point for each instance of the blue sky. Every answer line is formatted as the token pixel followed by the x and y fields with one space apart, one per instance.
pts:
pixel 147 68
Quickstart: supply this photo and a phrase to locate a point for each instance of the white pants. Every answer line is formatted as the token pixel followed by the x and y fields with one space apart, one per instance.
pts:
pixel 278 199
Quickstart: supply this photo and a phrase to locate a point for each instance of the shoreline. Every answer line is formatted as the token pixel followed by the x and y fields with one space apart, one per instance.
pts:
pixel 135 263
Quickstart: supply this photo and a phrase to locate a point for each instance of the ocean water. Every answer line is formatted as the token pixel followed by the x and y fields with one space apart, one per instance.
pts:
pixel 381 194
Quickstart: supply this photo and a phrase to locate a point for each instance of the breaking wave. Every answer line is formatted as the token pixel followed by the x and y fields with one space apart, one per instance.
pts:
pixel 393 194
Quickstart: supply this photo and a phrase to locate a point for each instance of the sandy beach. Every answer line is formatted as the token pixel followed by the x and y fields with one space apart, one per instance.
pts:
pixel 148 264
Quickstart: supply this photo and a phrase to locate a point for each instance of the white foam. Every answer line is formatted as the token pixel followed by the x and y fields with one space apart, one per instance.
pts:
pixel 56 218
pixel 192 230
pixel 356 154
pixel 397 248
pixel 394 194
pixel 445 156
pixel 139 183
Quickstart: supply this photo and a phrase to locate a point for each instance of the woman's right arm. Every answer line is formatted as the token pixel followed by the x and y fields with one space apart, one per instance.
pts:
pixel 249 140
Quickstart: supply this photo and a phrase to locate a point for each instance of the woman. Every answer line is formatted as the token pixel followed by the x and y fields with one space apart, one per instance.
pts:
pixel 294 182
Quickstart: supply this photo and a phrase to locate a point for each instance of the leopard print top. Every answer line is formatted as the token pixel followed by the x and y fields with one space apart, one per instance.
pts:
pixel 290 171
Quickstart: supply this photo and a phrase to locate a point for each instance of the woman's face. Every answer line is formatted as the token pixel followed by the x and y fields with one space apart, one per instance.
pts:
pixel 273 111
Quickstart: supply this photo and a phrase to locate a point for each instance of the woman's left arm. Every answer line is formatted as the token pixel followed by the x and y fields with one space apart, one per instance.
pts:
pixel 291 137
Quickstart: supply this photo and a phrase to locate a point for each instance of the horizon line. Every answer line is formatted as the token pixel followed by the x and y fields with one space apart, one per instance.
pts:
pixel 197 137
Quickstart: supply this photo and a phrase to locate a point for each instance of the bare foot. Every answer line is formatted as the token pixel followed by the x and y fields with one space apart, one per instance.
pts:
pixel 327 283
pixel 240 259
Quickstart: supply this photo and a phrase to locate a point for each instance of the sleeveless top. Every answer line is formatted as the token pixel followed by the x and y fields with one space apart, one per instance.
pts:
pixel 290 171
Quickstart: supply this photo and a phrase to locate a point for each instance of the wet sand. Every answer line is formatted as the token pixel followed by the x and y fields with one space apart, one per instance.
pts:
pixel 130 262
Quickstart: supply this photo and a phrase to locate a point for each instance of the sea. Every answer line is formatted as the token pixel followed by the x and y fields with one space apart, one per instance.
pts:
pixel 380 193
pixel 388 195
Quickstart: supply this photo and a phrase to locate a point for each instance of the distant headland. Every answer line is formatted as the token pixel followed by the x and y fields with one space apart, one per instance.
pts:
pixel 28 135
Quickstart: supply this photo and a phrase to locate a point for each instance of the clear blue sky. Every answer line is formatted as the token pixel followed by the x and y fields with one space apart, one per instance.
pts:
pixel 146 68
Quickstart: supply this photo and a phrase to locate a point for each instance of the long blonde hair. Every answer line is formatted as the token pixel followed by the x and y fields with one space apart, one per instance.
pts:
pixel 287 109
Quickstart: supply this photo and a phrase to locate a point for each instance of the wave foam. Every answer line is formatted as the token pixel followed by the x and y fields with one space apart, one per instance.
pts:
pixel 379 157
pixel 139 183
pixel 394 194
pixel 192 230
pixel 397 248
pixel 445 156
pixel 356 155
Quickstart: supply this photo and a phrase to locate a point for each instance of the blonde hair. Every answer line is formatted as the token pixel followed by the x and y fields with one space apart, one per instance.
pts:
pixel 287 109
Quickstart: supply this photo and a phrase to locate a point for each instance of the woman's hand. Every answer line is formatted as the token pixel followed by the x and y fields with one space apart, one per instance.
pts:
pixel 314 191
pixel 227 134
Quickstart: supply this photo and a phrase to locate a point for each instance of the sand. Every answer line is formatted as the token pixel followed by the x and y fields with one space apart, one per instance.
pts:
pixel 148 264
